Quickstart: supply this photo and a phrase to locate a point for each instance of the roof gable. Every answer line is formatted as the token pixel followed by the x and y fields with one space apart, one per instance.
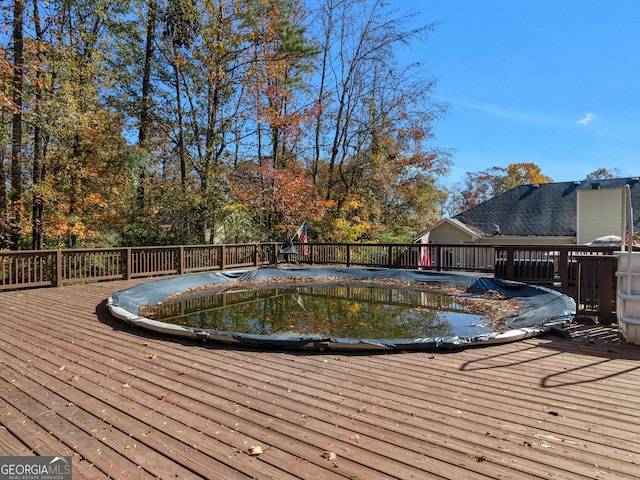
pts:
pixel 454 223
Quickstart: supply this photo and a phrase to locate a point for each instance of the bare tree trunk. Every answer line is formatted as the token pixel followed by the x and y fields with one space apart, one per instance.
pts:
pixel 145 103
pixel 38 159
pixel 181 145
pixel 16 136
pixel 4 155
pixel 323 79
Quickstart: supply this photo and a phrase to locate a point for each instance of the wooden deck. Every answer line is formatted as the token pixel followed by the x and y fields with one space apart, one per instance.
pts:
pixel 126 403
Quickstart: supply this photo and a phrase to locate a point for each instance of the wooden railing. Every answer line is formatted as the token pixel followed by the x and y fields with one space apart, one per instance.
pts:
pixel 47 268
pixel 587 274
pixel 40 268
pixel 432 256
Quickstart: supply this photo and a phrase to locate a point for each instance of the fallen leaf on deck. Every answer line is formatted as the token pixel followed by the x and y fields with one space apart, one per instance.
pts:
pixel 255 450
pixel 152 356
pixel 355 438
pixel 330 456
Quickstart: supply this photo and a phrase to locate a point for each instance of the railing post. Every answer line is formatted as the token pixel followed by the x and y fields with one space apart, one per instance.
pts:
pixel 510 266
pixel 58 268
pixel 127 263
pixel 348 255
pixel 181 260
pixel 223 257
pixel 563 267
pixel 390 264
pixel 606 272
pixel 256 254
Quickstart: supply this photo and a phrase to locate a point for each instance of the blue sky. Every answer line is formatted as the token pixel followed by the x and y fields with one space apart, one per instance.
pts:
pixel 551 82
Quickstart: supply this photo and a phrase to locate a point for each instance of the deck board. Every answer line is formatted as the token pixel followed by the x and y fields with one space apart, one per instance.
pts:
pixel 128 403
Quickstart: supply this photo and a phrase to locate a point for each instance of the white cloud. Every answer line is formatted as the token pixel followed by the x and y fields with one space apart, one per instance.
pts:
pixel 586 119
pixel 513 115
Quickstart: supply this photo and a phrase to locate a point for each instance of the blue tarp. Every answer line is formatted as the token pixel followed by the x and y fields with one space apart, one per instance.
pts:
pixel 541 308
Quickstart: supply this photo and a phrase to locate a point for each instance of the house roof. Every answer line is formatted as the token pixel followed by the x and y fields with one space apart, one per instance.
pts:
pixel 528 210
pixel 468 229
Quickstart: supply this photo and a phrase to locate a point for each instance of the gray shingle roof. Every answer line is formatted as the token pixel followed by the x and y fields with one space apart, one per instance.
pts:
pixel 547 209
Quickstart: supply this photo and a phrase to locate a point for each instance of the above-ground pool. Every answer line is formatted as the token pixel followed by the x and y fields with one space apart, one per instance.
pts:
pixel 155 306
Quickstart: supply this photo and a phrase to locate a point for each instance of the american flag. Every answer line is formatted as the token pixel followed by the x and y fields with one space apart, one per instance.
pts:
pixel 301 233
pixel 626 237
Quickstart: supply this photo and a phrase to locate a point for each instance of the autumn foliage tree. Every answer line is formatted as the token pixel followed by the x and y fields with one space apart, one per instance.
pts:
pixel 280 199
pixel 62 133
pixel 373 125
pixel 190 121
pixel 481 186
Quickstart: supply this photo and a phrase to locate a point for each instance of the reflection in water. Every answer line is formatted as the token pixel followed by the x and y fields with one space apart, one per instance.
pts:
pixel 328 310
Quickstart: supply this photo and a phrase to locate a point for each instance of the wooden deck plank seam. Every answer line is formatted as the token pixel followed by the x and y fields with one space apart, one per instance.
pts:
pixel 389 459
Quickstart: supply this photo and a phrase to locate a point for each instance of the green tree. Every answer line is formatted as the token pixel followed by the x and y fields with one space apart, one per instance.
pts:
pixel 603 173
pixel 281 62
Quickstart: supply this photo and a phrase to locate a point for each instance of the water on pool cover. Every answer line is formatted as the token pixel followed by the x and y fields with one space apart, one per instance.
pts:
pixel 329 310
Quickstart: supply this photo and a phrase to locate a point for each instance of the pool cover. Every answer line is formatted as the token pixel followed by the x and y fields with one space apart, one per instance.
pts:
pixel 541 308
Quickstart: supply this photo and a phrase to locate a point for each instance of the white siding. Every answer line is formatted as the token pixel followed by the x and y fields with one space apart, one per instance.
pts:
pixel 599 213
